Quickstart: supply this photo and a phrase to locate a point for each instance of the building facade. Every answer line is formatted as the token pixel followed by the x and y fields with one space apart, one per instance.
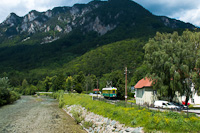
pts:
pixel 144 92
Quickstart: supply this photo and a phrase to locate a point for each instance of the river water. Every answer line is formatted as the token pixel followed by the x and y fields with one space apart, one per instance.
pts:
pixel 36 115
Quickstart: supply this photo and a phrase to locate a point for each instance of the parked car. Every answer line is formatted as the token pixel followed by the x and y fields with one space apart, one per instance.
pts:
pixel 180 105
pixel 165 104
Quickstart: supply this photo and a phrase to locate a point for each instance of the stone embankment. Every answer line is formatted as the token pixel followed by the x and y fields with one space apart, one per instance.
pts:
pixel 99 124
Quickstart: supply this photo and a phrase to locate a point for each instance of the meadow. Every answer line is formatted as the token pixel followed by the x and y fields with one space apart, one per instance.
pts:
pixel 134 116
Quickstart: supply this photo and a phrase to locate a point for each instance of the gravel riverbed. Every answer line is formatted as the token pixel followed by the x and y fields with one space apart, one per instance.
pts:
pixel 36 115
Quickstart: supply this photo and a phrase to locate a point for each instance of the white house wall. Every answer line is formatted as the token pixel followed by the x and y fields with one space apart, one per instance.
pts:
pixel 194 99
pixel 144 95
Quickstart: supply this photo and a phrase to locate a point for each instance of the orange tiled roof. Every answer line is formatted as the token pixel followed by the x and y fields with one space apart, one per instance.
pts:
pixel 95 89
pixel 143 83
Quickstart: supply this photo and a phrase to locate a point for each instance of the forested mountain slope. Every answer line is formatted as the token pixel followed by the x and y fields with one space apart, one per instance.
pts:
pixel 51 40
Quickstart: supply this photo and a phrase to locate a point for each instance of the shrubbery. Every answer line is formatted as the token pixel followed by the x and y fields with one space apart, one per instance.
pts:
pixel 7 95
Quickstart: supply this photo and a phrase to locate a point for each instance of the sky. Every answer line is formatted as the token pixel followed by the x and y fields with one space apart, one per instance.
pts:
pixel 184 10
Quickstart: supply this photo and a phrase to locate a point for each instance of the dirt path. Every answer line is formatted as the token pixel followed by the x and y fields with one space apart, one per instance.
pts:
pixel 36 115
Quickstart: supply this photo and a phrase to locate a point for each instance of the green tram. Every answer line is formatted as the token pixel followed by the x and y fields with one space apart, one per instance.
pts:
pixel 109 92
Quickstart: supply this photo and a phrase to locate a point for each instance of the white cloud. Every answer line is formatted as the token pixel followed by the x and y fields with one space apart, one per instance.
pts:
pixel 22 7
pixel 191 16
pixel 184 10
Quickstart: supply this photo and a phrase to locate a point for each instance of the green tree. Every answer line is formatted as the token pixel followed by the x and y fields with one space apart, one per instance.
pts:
pixel 59 83
pixel 24 86
pixel 138 74
pixel 90 82
pixel 48 83
pixel 30 90
pixel 79 82
pixel 41 86
pixel 69 83
pixel 171 60
pixel 4 92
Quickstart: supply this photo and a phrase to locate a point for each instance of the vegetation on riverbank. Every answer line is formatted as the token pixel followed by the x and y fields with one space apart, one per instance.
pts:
pixel 135 116
pixel 7 94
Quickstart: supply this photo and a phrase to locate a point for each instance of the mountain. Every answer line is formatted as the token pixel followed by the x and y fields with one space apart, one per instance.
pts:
pixel 53 38
pixel 98 16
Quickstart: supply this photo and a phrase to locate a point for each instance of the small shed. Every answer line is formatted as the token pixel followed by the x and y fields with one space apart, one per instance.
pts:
pixel 144 92
pixel 96 91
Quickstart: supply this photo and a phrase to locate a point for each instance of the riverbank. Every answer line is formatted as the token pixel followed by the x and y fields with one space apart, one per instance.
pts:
pixel 97 123
pixel 134 116
pixel 32 115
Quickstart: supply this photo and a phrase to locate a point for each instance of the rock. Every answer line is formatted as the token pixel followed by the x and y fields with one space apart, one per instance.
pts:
pixel 108 122
pixel 105 120
pixel 57 116
pixel 137 130
pixel 113 122
pixel 112 129
pixel 93 125
pixel 98 130
pixel 99 123
pixel 128 130
pixel 116 130
pixel 90 129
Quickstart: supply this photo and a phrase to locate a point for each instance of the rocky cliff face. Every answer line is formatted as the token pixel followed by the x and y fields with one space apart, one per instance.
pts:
pixel 97 16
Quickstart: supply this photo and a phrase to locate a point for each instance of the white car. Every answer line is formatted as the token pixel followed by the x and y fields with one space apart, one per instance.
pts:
pixel 165 104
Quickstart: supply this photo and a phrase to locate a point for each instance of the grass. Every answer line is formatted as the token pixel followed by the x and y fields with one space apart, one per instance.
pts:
pixel 132 101
pixel 137 117
pixel 87 124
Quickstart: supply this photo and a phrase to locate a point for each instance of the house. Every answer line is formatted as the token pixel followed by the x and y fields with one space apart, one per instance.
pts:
pixel 95 91
pixel 144 92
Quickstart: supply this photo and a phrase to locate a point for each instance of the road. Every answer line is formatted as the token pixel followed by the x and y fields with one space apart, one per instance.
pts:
pixel 36 115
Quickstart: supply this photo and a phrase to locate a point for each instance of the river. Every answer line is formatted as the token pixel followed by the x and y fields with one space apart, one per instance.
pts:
pixel 36 115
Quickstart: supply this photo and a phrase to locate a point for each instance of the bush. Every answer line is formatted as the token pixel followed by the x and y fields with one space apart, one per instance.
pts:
pixel 7 95
pixel 76 113
pixel 61 99
pixel 13 96
pixel 88 124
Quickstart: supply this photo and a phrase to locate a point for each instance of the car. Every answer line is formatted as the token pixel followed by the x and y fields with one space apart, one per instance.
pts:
pixel 165 104
pixel 180 105
pixel 173 106
pixel 160 104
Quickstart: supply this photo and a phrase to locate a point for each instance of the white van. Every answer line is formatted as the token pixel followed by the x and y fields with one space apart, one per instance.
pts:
pixel 165 104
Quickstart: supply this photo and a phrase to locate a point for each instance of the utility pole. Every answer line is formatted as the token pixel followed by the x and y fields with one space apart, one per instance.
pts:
pixel 97 84
pixel 97 87
pixel 126 84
